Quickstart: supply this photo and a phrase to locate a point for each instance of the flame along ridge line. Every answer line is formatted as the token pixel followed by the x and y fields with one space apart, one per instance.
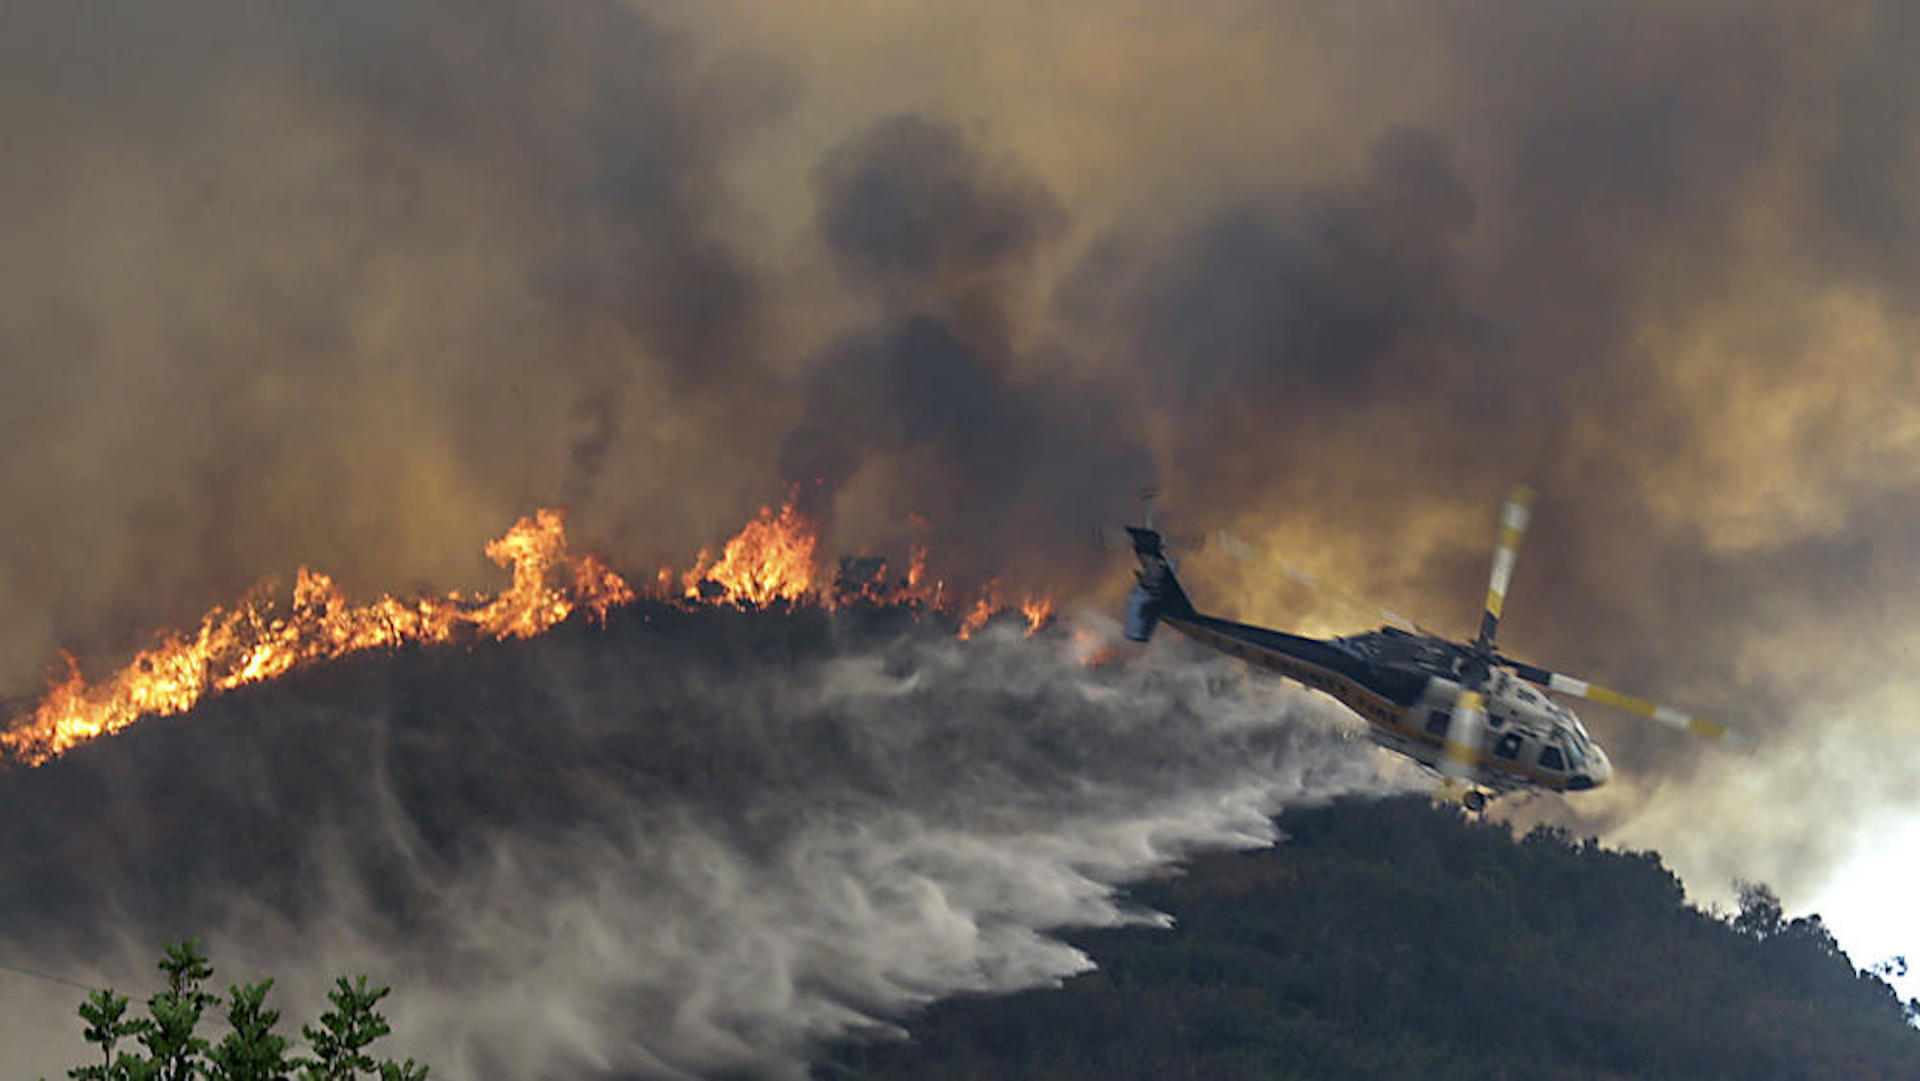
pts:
pixel 771 562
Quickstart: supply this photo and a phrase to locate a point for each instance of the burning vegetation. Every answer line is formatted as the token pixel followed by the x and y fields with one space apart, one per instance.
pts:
pixel 772 561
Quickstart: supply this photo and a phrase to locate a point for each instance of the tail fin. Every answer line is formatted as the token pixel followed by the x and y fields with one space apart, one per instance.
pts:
pixel 1158 592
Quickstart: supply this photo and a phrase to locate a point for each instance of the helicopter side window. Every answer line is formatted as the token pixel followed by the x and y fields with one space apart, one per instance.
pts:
pixel 1509 746
pixel 1437 722
pixel 1550 759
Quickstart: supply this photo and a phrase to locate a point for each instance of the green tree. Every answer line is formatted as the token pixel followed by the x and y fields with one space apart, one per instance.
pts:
pixel 251 1050
pixel 106 1025
pixel 172 1047
pixel 340 1042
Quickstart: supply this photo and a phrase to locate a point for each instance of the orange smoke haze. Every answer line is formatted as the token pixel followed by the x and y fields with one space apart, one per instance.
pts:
pixel 771 561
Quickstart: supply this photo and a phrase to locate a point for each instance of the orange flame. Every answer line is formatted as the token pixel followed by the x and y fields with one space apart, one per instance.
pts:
pixel 770 561
pixel 773 560
pixel 1037 610
pixel 251 642
pixel 983 609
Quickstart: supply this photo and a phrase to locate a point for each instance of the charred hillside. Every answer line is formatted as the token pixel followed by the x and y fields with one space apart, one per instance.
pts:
pixel 690 842
pixel 1390 939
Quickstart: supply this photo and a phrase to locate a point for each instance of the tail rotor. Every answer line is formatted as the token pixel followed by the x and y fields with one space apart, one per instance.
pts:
pixel 1157 591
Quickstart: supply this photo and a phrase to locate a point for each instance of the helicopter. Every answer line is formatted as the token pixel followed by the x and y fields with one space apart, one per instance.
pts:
pixel 1477 717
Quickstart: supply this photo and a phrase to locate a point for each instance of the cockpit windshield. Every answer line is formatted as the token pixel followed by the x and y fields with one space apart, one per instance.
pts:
pixel 1574 746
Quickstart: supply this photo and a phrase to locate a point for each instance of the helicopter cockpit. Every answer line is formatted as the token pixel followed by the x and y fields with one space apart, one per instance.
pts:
pixel 1526 727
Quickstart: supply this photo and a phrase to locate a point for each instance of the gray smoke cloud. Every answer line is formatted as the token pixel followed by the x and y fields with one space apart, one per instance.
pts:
pixel 692 847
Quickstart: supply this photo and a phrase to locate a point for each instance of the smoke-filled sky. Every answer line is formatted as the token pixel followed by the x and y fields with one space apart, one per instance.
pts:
pixel 355 284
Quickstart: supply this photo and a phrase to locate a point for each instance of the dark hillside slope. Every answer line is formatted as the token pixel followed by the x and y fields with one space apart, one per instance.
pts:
pixel 688 844
pixel 1396 940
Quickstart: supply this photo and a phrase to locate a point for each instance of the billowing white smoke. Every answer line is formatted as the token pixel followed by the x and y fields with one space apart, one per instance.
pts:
pixel 621 859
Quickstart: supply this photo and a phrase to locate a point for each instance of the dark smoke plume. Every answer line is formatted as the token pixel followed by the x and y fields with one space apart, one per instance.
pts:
pixel 997 456
pixel 909 208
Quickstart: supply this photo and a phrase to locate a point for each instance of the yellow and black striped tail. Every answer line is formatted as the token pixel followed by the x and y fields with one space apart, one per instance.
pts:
pixel 1513 526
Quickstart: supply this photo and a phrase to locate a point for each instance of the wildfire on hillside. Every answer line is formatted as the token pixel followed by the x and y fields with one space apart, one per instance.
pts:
pixel 769 560
pixel 772 561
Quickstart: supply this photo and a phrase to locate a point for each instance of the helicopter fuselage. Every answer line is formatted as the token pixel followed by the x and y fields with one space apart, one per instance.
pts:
pixel 1405 685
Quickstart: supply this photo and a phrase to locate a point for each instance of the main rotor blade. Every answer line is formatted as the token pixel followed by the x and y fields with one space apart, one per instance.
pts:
pixel 1244 552
pixel 1580 688
pixel 1460 753
pixel 1513 525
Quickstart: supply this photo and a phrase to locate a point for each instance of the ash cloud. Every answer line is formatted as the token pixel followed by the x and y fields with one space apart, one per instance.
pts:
pixel 909 207
pixel 1866 178
pixel 1029 465
pixel 695 846
pixel 999 458
pixel 1311 299
pixel 1277 323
